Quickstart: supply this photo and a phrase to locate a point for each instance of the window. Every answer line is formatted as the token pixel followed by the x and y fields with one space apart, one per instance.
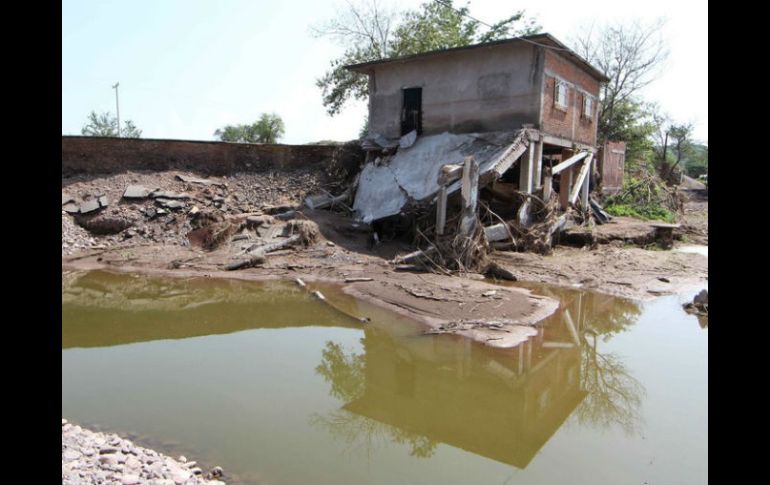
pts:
pixel 588 106
pixel 560 99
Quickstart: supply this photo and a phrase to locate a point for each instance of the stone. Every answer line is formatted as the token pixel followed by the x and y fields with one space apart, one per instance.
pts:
pixel 217 471
pixel 180 476
pixel 130 479
pixel 63 421
pixel 136 192
pixel 108 460
pixel 133 462
pixel 66 198
pixel 89 206
pixel 108 450
pixel 103 201
pixel 70 455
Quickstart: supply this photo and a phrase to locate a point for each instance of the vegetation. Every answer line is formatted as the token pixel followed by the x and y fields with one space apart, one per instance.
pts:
pixel 107 125
pixel 268 129
pixel 369 32
pixel 643 196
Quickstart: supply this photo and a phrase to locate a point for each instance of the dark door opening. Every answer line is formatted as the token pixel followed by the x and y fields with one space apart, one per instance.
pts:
pixel 411 111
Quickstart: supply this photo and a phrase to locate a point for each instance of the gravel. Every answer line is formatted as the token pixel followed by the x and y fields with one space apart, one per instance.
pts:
pixel 90 457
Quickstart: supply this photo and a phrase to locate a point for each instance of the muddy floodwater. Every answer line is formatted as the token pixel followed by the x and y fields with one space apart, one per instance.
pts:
pixel 278 387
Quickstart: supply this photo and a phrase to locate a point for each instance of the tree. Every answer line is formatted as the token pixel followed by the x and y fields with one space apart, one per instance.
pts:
pixel 631 55
pixel 107 125
pixel 681 139
pixel 369 33
pixel 268 129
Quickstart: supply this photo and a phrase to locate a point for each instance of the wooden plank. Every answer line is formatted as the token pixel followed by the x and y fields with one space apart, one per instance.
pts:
pixel 568 162
pixel 441 210
pixel 571 327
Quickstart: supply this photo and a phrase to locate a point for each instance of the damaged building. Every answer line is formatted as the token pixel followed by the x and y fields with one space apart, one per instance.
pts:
pixel 507 125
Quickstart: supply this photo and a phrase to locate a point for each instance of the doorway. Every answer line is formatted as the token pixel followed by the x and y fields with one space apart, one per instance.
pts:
pixel 411 111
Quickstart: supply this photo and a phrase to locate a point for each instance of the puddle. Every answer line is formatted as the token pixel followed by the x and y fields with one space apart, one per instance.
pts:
pixel 695 249
pixel 279 388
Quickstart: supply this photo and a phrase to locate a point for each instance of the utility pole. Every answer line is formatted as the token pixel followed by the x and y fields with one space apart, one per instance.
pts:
pixel 117 105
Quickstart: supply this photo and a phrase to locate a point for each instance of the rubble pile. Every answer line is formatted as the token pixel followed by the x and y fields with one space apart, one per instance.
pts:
pixel 163 207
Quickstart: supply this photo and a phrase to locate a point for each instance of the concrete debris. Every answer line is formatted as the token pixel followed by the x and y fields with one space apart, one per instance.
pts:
pixel 408 139
pixel 412 175
pixel 66 199
pixel 169 203
pixel 136 192
pixel 71 207
pixel 193 180
pixel 103 201
pixel 90 206
pixel 165 194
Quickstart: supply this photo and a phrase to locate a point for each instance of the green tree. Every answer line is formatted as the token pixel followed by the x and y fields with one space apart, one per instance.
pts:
pixel 107 125
pixel 268 129
pixel 369 32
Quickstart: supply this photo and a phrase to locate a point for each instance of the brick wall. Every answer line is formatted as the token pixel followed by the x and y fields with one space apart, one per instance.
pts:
pixel 568 123
pixel 82 154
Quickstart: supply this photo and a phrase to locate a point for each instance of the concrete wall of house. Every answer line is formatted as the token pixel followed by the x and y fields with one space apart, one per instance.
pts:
pixel 110 155
pixel 568 123
pixel 482 89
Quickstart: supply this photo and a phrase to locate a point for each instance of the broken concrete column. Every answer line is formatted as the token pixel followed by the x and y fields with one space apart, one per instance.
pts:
pixel 470 193
pixel 526 170
pixel 565 180
pixel 441 210
pixel 537 176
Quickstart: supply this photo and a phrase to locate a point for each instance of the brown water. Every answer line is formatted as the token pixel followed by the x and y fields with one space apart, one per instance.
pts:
pixel 279 388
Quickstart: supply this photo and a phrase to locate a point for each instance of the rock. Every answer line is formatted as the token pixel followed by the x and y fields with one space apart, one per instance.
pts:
pixel 180 476
pixel 133 462
pixel 130 479
pixel 701 298
pixel 103 201
pixel 70 455
pixel 108 460
pixel 106 450
pixel 217 471
pixel 183 459
pixel 89 206
pixel 136 192
pixel 66 198
pixel 104 225
pixel 63 421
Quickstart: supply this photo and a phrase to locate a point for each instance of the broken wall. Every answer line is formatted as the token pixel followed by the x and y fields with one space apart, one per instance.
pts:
pixel 493 88
pixel 82 154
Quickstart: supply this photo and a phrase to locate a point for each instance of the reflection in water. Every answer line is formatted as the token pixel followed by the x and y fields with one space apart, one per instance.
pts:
pixel 414 390
pixel 101 309
pixel 503 405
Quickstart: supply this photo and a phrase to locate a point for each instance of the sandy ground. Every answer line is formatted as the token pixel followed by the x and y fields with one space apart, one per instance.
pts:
pixel 343 254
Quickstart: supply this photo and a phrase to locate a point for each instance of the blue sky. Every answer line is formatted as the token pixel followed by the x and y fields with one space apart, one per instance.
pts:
pixel 189 67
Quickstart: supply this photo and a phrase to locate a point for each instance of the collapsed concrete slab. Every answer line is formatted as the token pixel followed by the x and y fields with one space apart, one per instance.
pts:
pixel 390 184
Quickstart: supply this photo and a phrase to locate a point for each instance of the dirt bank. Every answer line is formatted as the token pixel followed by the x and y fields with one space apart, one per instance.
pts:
pixel 181 224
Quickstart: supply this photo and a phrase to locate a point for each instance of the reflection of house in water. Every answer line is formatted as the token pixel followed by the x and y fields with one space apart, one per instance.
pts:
pixel 501 405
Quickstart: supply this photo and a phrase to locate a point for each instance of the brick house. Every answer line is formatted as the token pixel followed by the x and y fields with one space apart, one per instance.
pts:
pixel 504 85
